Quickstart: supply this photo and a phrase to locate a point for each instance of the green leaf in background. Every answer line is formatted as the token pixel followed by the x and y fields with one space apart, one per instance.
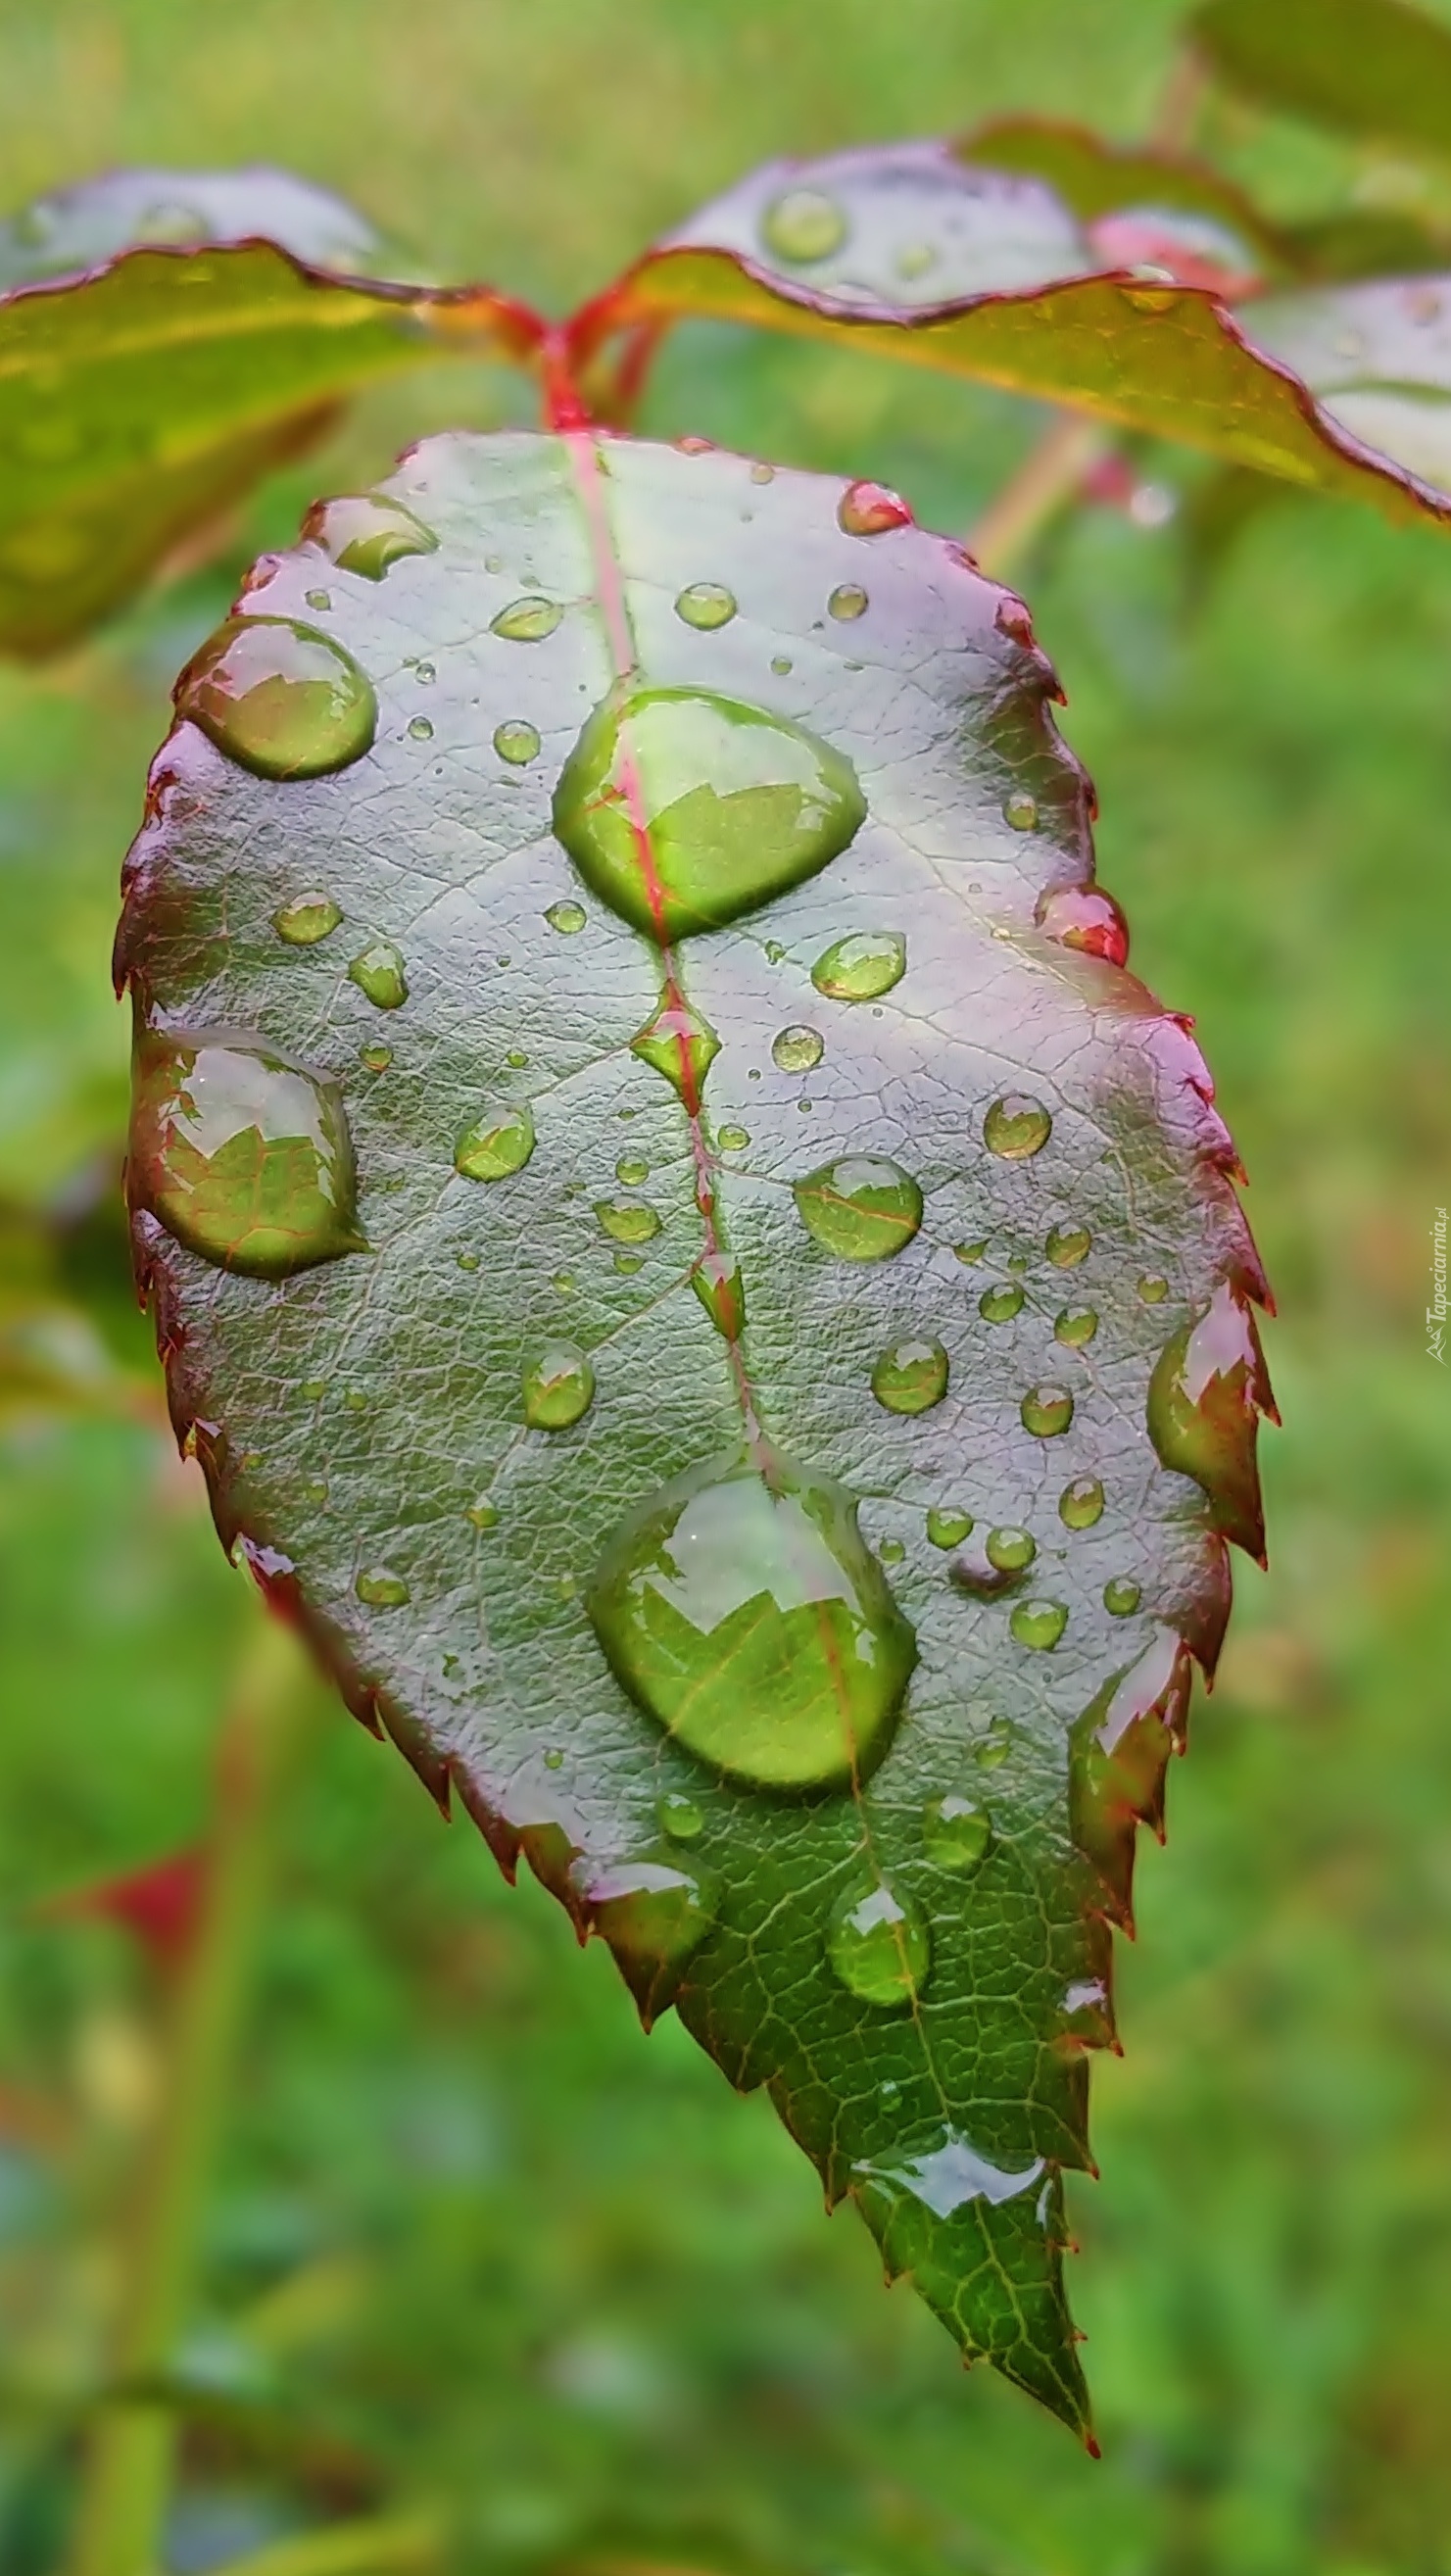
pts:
pixel 695 1273
pixel 78 228
pixel 908 252
pixel 1378 359
pixel 1137 204
pixel 138 401
pixel 1367 67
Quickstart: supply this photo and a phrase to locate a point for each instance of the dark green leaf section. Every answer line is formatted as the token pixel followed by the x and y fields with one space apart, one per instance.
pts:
pixel 78 228
pixel 1367 67
pixel 137 402
pixel 1378 357
pixel 724 1377
pixel 917 255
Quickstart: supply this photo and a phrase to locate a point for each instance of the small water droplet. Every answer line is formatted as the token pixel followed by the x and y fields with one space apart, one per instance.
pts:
pixel 517 1058
pixel 381 1589
pixel 1046 1411
pixel 796 1050
pixel 914 259
pixel 632 1170
pixel 366 533
pixel 1076 1326
pixel 803 225
pixel 527 621
pixel 1016 1127
pixel 1121 1597
pixel 968 1253
pixel 847 602
pixel 741 1609
pixel 629 1262
pixel 378 971
pixel 559 1387
pixel 781 663
pixel 910 1376
pixel 279 698
pixel 1038 1623
pixel 516 742
pixel 570 918
pixel 880 1947
pixel 564 1283
pixel 1081 1503
pixel 242 1154
pixel 995 1747
pixel 1153 1290
pixel 1011 1550
pixel 420 728
pixel 862 1208
pixel 775 954
pixel 1067 1245
pixel 554 1759
pixel 718 1284
pixel 483 1514
pixel 1085 918
pixel 1021 810
pixel 684 810
pixel 955 1833
pixel 425 674
pixel 869 509
pixel 947 1528
pixel 733 1140
pixel 469 1261
pixel 862 966
pixel 307 920
pixel 321 600
pixel 628 1220
pixel 1206 1394
pixel 495 1144
pixel 355 1399
pixel 682 1046
pixel 1000 1305
pixel 314 1492
pixel 891 1551
pixel 313 1389
pixel 680 1818
pixel 762 473
pixel 706 604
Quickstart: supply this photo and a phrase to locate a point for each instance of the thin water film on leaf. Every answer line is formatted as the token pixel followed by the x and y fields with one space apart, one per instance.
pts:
pixel 651 1375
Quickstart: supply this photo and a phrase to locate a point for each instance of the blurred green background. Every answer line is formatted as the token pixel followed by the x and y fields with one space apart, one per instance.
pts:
pixel 474 2242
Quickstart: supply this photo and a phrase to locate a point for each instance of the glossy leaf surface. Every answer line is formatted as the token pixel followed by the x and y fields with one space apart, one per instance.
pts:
pixel 1133 203
pixel 919 255
pixel 629 1432
pixel 78 228
pixel 1378 356
pixel 1368 67
pixel 139 400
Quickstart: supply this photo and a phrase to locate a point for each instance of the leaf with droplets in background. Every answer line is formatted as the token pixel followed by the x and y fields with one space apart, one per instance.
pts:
pixel 138 400
pixel 1366 67
pixel 1138 205
pixel 1378 358
pixel 586 1337
pixel 910 252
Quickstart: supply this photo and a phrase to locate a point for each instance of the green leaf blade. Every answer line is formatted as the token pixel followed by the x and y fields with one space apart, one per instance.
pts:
pixel 1366 67
pixel 438 1450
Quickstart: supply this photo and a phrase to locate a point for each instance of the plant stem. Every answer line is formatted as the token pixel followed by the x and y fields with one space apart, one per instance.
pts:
pixel 1044 483
pixel 368 2548
pixel 129 2471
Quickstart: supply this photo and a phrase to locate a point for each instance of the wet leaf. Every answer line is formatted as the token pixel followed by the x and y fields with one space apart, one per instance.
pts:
pixel 912 253
pixel 1134 203
pixel 138 400
pixel 1378 357
pixel 1367 67
pixel 577 1341
pixel 77 228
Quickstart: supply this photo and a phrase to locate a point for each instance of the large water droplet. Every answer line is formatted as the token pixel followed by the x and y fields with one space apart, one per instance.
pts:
pixel 718 1284
pixel 803 225
pixel 1016 1127
pixel 684 810
pixel 743 1611
pixel 1039 1624
pixel 1000 1305
pixel 680 1818
pixel 1207 1392
pixel 869 509
pixel 862 1208
pixel 366 533
pixel 880 1947
pixel 517 742
pixel 1067 1245
pixel 381 1588
pixel 955 1833
pixel 1153 1289
pixel 1021 810
pixel 1085 918
pixel 654 1915
pixel 948 1528
pixel 310 918
pixel 559 1387
pixel 1046 1411
pixel 1076 1326
pixel 567 918
pixel 279 697
pixel 733 1140
pixel 242 1154
pixel 1121 1596
pixel 682 1046
pixel 848 602
pixel 706 604
pixel 796 1050
pixel 862 966
pixel 632 1170
pixel 628 1220
pixel 1081 1503
pixel 1010 1550
pixel 910 1376
pixel 528 620
pixel 496 1143
pixel 380 973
